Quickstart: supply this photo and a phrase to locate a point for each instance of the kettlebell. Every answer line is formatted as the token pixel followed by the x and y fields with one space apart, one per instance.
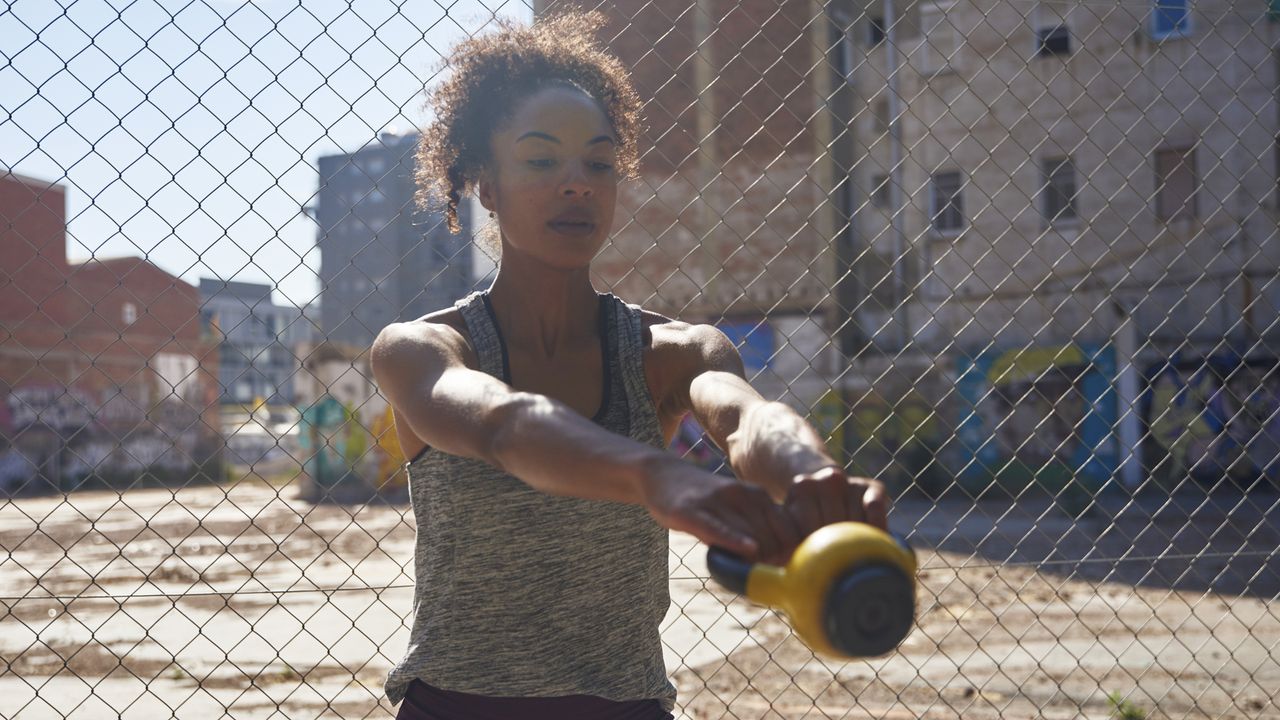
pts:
pixel 849 589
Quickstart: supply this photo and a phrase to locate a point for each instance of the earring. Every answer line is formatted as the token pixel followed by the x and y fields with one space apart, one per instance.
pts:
pixel 490 213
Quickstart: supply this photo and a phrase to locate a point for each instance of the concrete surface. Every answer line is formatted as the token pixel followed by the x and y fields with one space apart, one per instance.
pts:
pixel 1022 612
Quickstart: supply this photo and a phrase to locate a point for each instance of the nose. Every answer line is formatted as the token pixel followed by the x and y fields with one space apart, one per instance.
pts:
pixel 575 183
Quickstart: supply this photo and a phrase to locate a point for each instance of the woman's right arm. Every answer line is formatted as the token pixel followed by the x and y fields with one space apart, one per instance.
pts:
pixel 420 369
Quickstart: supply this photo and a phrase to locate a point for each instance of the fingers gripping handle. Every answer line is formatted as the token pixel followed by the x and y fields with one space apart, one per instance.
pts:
pixel 728 569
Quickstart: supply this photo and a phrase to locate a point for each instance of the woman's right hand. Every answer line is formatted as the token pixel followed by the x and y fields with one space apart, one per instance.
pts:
pixel 720 511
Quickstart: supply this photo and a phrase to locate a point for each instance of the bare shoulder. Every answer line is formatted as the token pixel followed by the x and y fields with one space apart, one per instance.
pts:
pixel 689 346
pixel 437 340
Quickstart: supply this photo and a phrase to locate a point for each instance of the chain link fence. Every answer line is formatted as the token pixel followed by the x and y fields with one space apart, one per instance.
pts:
pixel 1018 259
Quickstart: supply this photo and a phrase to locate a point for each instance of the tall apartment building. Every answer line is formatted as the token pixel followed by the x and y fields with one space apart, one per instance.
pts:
pixel 257 340
pixel 382 260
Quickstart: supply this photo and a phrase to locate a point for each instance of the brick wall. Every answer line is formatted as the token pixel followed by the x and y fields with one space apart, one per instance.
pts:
pixel 86 395
pixel 33 241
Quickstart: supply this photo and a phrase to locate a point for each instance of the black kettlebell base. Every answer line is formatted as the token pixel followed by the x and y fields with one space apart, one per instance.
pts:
pixel 870 610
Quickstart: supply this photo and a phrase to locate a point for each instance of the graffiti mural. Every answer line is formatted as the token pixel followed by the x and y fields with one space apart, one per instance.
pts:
pixel 343 456
pixel 895 441
pixel 828 418
pixel 1039 416
pixel 1214 419
pixel 333 442
pixel 389 458
pixel 60 438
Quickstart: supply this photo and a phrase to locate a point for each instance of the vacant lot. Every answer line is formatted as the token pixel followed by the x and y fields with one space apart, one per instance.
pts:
pixel 1022 613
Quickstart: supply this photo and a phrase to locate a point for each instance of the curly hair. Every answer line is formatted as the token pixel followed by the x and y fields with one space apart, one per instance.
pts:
pixel 492 73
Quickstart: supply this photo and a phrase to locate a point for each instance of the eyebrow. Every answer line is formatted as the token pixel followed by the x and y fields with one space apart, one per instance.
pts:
pixel 554 139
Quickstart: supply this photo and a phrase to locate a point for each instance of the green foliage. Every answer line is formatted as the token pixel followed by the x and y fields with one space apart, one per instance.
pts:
pixel 1122 709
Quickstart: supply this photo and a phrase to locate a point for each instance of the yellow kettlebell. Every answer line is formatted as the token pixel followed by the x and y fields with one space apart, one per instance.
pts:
pixel 849 588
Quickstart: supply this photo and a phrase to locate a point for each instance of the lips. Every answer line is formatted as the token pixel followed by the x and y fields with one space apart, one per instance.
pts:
pixel 573 222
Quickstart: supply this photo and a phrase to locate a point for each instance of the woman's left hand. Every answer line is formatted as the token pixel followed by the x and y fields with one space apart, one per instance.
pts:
pixel 827 496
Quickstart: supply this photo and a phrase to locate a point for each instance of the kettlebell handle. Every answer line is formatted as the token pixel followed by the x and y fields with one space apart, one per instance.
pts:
pixel 731 570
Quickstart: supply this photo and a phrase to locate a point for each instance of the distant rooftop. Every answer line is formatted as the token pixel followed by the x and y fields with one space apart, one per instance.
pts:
pixel 7 174
pixel 245 291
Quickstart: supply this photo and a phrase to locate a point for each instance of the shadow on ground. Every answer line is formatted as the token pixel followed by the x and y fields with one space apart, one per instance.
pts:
pixel 1221 539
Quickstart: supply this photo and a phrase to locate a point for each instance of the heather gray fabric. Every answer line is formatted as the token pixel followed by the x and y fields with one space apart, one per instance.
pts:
pixel 523 594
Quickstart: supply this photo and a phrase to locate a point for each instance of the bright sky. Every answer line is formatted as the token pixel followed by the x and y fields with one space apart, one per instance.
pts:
pixel 188 132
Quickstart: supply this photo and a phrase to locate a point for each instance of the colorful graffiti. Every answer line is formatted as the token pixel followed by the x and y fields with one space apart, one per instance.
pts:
pixel 828 418
pixel 388 456
pixel 1037 416
pixel 333 442
pixel 895 441
pixel 1214 419
pixel 54 437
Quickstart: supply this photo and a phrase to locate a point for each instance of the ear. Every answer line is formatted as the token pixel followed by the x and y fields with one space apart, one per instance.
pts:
pixel 485 190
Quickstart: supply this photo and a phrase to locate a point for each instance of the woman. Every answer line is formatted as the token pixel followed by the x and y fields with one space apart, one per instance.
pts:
pixel 537 413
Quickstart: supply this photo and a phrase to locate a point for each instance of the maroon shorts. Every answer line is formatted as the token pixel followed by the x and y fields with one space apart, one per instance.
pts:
pixel 424 702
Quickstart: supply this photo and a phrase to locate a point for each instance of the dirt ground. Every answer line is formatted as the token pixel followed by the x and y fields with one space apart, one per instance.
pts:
pixel 223 607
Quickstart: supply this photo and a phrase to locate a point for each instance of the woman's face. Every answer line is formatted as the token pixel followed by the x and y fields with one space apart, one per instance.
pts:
pixel 551 179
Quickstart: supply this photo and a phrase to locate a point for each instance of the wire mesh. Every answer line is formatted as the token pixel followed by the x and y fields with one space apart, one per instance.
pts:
pixel 1018 259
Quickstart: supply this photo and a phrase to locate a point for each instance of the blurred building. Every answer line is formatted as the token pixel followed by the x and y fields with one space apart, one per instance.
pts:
pixel 1035 171
pixel 732 221
pixel 1006 224
pixel 105 376
pixel 382 259
pixel 1063 223
pixel 259 340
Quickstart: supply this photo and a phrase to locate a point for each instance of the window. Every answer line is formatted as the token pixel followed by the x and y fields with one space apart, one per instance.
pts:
pixel 1170 19
pixel 946 202
pixel 1175 184
pixel 1058 190
pixel 841 48
pixel 880 112
pixel 880 190
pixel 129 313
pixel 1053 41
pixel 939 38
pixel 261 329
pixel 875 30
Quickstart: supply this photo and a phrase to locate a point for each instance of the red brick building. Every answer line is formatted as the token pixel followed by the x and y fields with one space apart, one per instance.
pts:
pixel 104 373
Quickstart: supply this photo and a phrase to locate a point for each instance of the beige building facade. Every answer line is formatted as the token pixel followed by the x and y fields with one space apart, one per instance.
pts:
pixel 902 198
pixel 1059 165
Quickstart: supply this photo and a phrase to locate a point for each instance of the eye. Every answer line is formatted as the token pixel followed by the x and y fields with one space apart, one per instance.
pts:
pixel 601 166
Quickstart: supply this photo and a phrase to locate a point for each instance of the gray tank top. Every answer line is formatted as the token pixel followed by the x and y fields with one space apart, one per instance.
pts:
pixel 519 593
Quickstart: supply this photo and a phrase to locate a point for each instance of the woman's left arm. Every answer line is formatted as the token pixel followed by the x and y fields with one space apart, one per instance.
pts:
pixel 768 443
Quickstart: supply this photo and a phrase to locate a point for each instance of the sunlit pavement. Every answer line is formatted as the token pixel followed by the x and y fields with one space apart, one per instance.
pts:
pixel 1052 642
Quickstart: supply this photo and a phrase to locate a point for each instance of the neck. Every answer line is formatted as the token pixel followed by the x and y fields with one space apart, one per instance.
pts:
pixel 544 309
